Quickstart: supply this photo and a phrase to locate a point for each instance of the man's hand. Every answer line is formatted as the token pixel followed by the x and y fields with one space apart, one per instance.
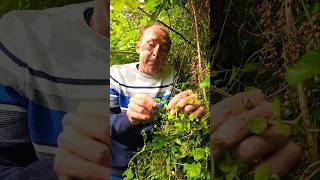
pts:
pixel 140 108
pixel 182 102
pixel 83 150
pixel 229 120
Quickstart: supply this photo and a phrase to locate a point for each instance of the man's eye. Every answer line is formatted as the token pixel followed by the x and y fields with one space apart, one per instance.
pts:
pixel 151 44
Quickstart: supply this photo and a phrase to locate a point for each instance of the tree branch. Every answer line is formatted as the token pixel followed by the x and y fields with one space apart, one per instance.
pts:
pixel 167 26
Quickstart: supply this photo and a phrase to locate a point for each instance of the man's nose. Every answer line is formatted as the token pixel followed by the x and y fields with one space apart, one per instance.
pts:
pixel 155 52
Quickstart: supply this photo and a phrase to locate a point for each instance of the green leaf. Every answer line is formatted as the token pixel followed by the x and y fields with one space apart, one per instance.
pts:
pixel 174 149
pixel 178 141
pixel 198 153
pixel 193 170
pixel 205 83
pixel 257 125
pixel 151 5
pixel 191 117
pixel 296 75
pixel 262 173
pixel 158 144
pixel 309 65
pixel 178 125
pixel 276 108
pixel 311 61
pixel 157 100
pixel 250 67
pixel 117 5
pixel 128 174
pixel 132 5
pixel 190 101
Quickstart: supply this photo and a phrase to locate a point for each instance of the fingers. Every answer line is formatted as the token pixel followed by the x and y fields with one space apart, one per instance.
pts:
pixel 234 105
pixel 136 118
pixel 136 107
pixel 197 113
pixel 140 108
pixel 67 164
pixel 177 98
pixel 83 123
pixel 284 159
pixel 84 147
pixel 232 131
pixel 146 100
pixel 259 146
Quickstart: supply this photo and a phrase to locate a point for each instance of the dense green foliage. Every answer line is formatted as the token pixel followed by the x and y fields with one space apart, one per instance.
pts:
pixel 274 46
pixel 179 148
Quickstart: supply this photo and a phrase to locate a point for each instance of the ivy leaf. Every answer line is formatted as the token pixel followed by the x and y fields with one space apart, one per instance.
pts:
pixel 190 101
pixel 156 100
pixel 262 173
pixel 205 83
pixel 158 144
pixel 174 149
pixel 191 117
pixel 178 141
pixel 193 170
pixel 296 75
pixel 198 153
pixel 257 125
pixel 311 61
pixel 309 65
pixel 178 125
pixel 128 174
pixel 276 108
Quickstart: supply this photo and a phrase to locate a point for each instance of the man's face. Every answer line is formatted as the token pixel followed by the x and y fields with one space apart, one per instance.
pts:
pixel 152 49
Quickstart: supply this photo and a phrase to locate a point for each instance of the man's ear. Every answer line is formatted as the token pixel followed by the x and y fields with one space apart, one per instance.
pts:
pixel 138 47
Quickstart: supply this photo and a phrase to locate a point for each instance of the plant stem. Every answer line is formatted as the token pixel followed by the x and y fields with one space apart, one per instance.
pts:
pixel 306 122
pixel 200 71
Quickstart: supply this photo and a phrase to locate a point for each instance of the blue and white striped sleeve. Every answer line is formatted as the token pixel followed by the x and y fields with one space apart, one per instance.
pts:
pixel 17 156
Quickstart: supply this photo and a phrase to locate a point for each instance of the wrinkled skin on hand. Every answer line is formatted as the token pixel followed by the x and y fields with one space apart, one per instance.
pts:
pixel 229 130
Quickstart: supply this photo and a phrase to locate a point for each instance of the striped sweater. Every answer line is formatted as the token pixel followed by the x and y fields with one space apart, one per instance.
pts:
pixel 50 61
pixel 125 82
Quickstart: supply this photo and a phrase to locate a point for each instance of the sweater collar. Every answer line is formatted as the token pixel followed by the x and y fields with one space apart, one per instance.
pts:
pixel 102 40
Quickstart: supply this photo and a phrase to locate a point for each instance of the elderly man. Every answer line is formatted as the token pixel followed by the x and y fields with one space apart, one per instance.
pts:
pixel 53 67
pixel 132 89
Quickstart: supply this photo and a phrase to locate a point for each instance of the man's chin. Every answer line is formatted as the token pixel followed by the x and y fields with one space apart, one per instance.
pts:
pixel 153 71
